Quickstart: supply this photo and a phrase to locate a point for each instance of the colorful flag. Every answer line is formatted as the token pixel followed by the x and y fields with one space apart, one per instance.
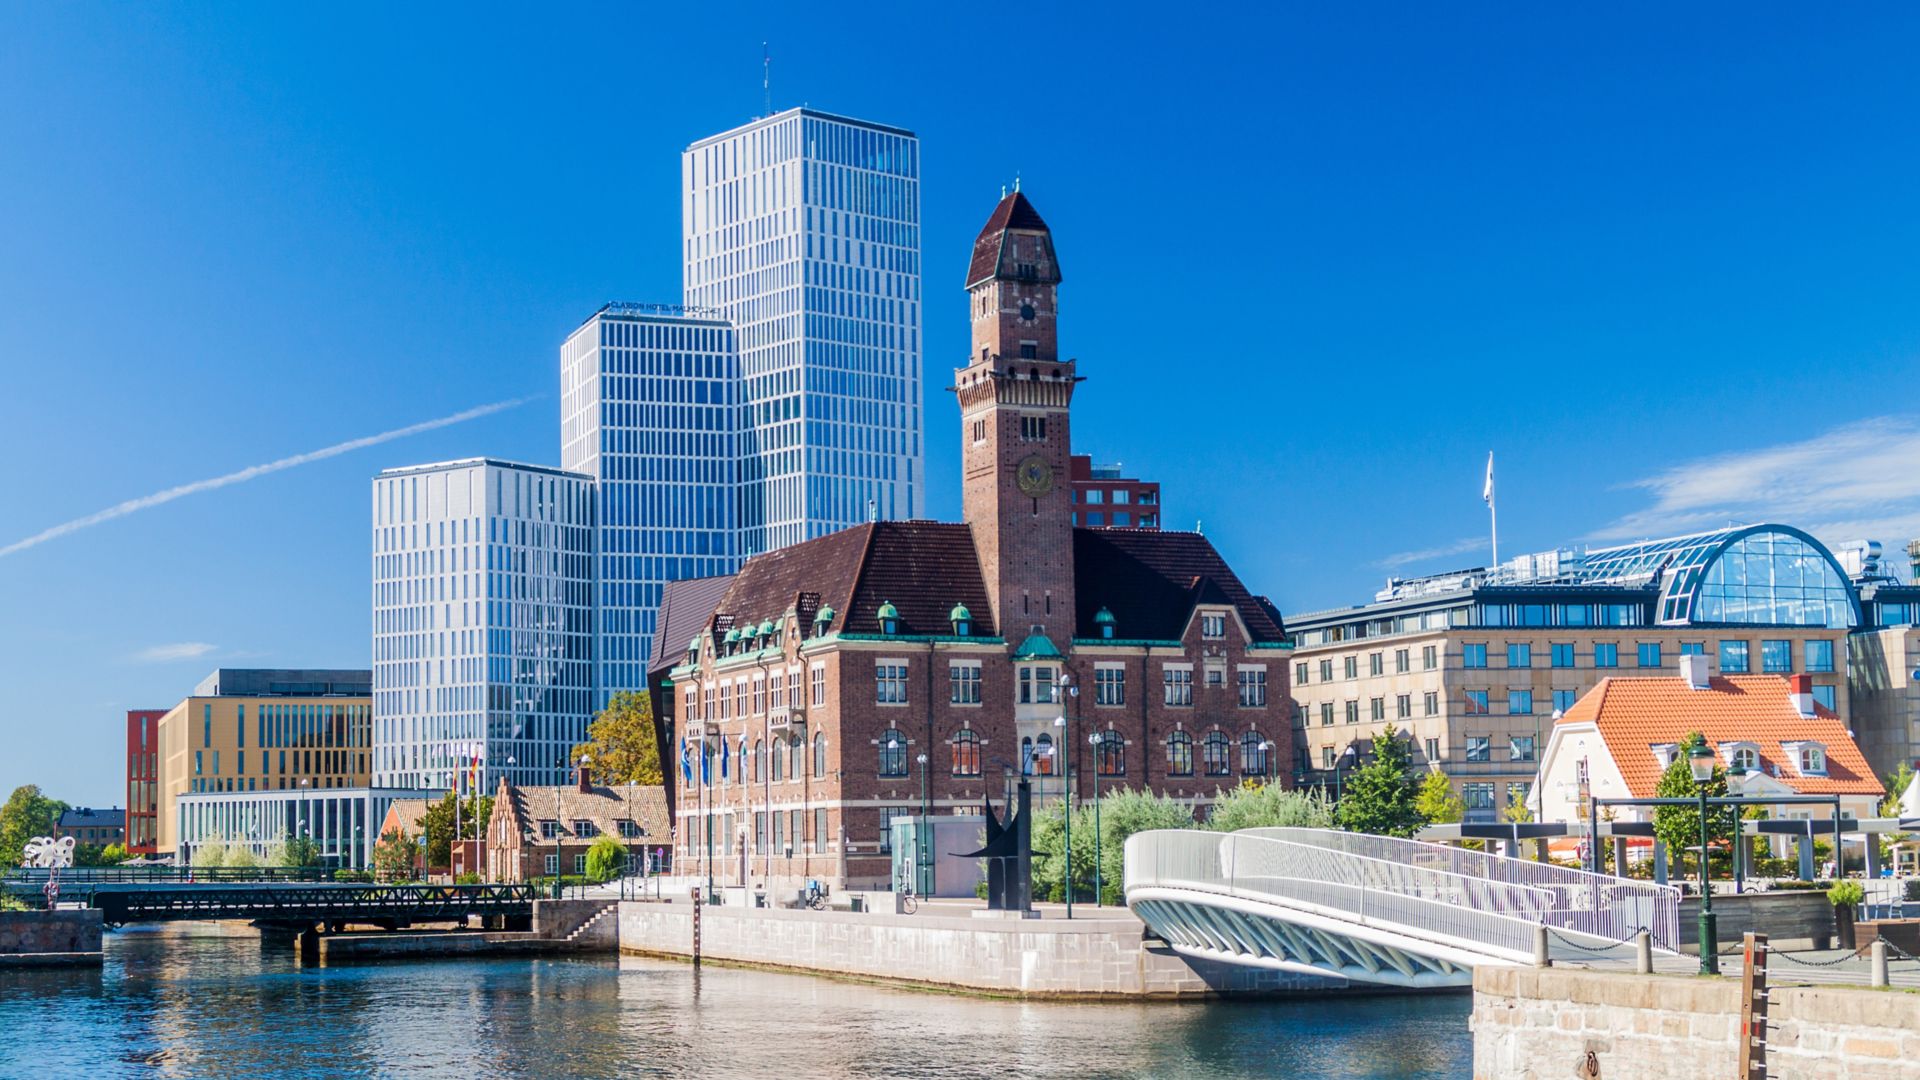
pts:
pixel 1486 492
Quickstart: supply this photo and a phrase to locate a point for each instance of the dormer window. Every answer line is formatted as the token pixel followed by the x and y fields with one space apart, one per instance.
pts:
pixel 822 620
pixel 693 652
pixel 1740 756
pixel 1104 620
pixel 889 618
pixel 1809 757
pixel 962 620
pixel 1665 753
pixel 1213 625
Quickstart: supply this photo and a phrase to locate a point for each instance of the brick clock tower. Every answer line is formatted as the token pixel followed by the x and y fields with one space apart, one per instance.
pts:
pixel 1014 397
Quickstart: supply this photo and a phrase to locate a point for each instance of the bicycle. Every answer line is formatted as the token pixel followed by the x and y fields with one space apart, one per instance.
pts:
pixel 908 903
pixel 815 897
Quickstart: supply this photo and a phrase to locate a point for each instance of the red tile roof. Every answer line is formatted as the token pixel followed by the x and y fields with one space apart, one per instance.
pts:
pixel 1634 715
pixel 1013 212
pixel 1151 580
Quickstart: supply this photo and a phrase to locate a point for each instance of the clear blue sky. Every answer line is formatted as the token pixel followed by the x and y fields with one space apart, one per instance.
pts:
pixel 1318 262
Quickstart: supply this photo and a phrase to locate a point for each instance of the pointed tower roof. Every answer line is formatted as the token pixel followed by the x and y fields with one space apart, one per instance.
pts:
pixel 1014 213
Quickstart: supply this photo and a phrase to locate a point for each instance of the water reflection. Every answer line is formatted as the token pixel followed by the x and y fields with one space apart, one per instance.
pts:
pixel 204 1000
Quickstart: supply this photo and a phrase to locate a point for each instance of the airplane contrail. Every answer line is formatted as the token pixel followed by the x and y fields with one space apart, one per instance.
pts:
pixel 167 496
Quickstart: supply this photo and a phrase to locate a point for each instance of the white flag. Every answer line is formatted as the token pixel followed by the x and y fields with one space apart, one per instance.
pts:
pixel 1487 491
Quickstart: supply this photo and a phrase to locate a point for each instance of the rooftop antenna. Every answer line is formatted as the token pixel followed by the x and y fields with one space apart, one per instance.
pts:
pixel 766 80
pixel 873 510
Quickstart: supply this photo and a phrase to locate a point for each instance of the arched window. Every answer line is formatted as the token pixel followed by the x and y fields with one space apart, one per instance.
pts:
pixel 1110 753
pixel 966 753
pixel 1253 754
pixel 1214 754
pixel 773 763
pixel 1745 758
pixel 759 760
pixel 1043 755
pixel 893 753
pixel 1026 755
pixel 796 757
pixel 820 756
pixel 1179 754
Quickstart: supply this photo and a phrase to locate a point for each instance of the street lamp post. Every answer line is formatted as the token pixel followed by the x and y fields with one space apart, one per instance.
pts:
pixel 1097 741
pixel 1700 763
pixel 1068 691
pixel 921 840
pixel 1337 764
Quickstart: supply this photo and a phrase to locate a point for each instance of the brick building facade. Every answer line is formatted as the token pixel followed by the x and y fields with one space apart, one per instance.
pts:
pixel 540 831
pixel 896 668
pixel 143 780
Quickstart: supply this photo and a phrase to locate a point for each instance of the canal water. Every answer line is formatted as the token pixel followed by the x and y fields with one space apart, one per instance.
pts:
pixel 204 1000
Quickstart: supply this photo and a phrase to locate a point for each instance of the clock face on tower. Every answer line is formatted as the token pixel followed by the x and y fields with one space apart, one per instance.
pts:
pixel 1034 476
pixel 1026 311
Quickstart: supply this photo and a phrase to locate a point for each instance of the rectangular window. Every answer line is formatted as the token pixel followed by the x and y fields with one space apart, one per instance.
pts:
pixel 1519 703
pixel 890 684
pixel 1429 658
pixel 1819 656
pixel 966 683
pixel 1430 702
pixel 1326 714
pixel 1562 654
pixel 1693 648
pixel 820 835
pixel 553 865
pixel 1733 658
pixel 1376 663
pixel 1352 667
pixel 1649 654
pixel 1403 706
pixel 1353 712
pixel 1564 699
pixel 1402 661
pixel 1473 656
pixel 1479 748
pixel 1476 703
pixel 1326 757
pixel 1253 687
pixel 1433 749
pixel 580 863
pixel 1824 696
pixel 1377 709
pixel 549 828
pixel 1300 673
pixel 1326 670
pixel 1179 686
pixel 1519 654
pixel 1033 429
pixel 1477 796
pixel 1110 686
pixel 1211 626
pixel 1520 748
pixel 1776 657
pixel 819 675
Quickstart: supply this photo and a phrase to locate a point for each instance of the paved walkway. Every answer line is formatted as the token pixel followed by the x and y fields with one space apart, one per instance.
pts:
pixel 1792 964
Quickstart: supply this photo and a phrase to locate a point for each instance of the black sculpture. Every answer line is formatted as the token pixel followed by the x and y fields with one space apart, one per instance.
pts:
pixel 1009 855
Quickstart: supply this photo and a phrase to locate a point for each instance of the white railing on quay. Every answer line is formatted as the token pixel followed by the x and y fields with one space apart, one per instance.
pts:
pixel 1424 888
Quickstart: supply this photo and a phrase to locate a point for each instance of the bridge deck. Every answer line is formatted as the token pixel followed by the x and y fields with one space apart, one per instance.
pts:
pixel 306 903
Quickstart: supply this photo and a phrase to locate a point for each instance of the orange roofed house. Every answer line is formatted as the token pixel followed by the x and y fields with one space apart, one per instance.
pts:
pixel 1767 731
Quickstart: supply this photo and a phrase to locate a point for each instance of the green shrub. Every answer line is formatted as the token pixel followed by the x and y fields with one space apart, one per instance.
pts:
pixel 10 902
pixel 468 878
pixel 353 877
pixel 606 858
pixel 1846 894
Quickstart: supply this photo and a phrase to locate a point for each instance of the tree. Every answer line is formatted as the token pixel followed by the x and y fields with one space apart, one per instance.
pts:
pixel 623 741
pixel 475 812
pixel 1516 812
pixel 113 855
pixel 1436 800
pixel 300 851
pixel 1123 812
pixel 606 859
pixel 1897 785
pixel 211 852
pixel 1379 796
pixel 242 855
pixel 1269 806
pixel 393 855
pixel 1678 827
pixel 27 814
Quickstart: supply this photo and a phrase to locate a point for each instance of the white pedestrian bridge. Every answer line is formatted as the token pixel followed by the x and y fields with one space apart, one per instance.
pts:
pixel 1374 909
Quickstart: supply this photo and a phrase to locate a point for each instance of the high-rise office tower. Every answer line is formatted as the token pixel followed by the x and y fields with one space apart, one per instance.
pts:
pixel 649 399
pixel 803 229
pixel 482 621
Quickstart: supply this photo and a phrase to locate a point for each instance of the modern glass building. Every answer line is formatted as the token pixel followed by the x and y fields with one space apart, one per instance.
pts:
pixel 1473 665
pixel 649 399
pixel 803 229
pixel 482 621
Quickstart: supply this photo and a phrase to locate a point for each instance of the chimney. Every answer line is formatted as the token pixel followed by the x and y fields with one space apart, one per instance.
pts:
pixel 1800 690
pixel 586 779
pixel 1693 668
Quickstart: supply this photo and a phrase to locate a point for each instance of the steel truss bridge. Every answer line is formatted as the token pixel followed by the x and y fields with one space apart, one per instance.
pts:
pixel 304 905
pixel 1374 909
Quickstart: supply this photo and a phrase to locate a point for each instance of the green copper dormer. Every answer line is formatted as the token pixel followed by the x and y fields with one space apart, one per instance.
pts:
pixel 766 628
pixel 822 619
pixel 1104 620
pixel 962 620
pixel 733 636
pixel 693 650
pixel 889 618
pixel 1037 647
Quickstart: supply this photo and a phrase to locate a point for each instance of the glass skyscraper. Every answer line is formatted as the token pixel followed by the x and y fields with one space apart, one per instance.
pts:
pixel 649 399
pixel 482 621
pixel 803 230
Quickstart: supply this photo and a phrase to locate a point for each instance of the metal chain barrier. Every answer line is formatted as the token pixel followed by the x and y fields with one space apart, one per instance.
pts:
pixel 1835 962
pixel 1596 950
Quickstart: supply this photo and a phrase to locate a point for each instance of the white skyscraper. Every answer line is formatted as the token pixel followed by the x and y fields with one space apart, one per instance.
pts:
pixel 649 400
pixel 803 229
pixel 482 621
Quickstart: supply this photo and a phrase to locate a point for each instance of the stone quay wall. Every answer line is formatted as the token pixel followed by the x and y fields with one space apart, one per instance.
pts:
pixel 68 936
pixel 1097 958
pixel 1540 1023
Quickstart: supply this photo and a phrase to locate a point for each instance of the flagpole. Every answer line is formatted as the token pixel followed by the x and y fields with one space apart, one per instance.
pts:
pixel 1493 514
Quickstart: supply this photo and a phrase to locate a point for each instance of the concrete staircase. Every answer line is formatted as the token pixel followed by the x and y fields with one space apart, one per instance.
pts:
pixel 602 921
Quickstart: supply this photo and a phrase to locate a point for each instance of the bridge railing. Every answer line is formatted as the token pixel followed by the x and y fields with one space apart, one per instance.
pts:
pixel 1597 905
pixel 1345 875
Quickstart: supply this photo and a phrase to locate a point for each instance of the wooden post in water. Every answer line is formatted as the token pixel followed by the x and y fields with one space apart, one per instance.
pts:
pixel 1753 1008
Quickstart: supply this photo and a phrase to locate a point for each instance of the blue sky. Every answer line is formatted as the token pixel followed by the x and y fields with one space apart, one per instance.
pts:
pixel 1318 263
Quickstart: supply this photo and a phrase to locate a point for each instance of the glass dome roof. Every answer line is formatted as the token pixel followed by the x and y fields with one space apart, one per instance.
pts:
pixel 1768 575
